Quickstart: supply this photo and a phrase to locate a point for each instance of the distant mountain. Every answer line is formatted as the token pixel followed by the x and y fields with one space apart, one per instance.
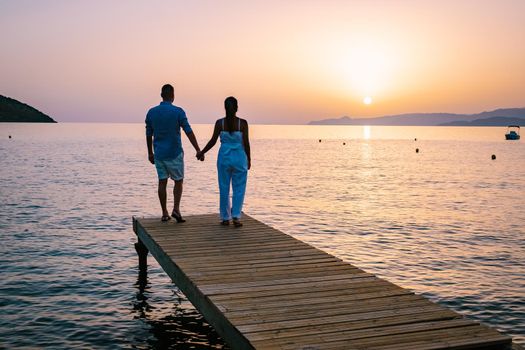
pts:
pixel 493 121
pixel 423 119
pixel 14 111
pixel 503 112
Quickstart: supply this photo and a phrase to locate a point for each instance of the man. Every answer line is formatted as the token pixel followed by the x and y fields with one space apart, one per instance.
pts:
pixel 163 124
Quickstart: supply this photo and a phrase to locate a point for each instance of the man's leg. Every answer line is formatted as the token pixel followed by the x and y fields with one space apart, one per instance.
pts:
pixel 176 171
pixel 177 194
pixel 162 196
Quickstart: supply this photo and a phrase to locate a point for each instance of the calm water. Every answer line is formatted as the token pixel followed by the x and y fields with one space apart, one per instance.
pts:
pixel 446 222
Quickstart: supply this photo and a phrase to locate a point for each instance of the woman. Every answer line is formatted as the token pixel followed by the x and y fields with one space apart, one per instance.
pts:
pixel 233 161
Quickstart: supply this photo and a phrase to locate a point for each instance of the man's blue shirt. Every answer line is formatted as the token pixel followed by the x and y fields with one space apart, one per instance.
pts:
pixel 163 122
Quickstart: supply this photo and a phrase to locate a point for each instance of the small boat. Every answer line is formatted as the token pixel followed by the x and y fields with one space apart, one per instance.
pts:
pixel 513 132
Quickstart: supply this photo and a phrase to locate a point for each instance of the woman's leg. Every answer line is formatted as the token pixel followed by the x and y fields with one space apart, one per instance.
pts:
pixel 225 178
pixel 239 178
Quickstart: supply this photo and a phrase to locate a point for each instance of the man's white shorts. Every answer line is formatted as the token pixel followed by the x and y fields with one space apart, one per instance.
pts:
pixel 172 168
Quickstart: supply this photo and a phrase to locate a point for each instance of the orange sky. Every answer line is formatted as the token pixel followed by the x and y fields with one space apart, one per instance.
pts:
pixel 286 61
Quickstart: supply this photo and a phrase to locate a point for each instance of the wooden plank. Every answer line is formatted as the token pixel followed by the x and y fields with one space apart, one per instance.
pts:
pixel 228 243
pixel 260 287
pixel 303 314
pixel 346 288
pixel 275 273
pixel 248 266
pixel 260 276
pixel 299 332
pixel 338 335
pixel 192 263
pixel 246 256
pixel 202 238
pixel 251 249
pixel 334 296
pixel 228 234
pixel 262 326
pixel 452 338
pixel 219 230
pixel 223 266
pixel 194 243
pixel 272 273
pixel 350 304
pixel 226 288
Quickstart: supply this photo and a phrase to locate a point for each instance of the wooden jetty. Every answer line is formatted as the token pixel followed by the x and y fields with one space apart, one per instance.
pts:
pixel 261 288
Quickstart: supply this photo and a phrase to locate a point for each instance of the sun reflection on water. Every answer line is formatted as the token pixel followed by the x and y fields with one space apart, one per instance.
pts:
pixel 366 132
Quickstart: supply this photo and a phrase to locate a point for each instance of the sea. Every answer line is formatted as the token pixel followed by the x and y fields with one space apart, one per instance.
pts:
pixel 427 208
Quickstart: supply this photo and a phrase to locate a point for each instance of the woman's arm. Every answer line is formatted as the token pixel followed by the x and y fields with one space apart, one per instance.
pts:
pixel 213 140
pixel 246 141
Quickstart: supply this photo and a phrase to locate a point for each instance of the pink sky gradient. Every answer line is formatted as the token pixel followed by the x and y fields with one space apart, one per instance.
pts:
pixel 287 62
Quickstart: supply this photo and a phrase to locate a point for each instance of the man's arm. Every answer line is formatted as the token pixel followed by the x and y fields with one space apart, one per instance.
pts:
pixel 193 140
pixel 149 142
pixel 149 139
pixel 183 122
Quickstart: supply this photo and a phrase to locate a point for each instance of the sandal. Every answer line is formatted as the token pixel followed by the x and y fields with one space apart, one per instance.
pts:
pixel 237 222
pixel 165 218
pixel 225 222
pixel 177 216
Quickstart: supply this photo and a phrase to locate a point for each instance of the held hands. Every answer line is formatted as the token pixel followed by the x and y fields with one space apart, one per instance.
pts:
pixel 151 158
pixel 200 156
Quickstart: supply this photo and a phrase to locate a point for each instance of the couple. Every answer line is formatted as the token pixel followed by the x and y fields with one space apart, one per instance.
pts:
pixel 163 124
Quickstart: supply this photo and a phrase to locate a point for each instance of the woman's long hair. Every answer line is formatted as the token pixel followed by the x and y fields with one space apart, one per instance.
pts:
pixel 230 105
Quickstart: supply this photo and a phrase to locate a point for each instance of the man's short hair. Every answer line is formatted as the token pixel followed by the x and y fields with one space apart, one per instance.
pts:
pixel 167 90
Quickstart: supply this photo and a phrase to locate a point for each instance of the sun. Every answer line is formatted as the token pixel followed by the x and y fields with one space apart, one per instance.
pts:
pixel 367 100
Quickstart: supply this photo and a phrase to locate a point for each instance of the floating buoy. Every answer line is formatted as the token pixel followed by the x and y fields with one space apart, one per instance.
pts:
pixel 493 156
pixel 417 150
